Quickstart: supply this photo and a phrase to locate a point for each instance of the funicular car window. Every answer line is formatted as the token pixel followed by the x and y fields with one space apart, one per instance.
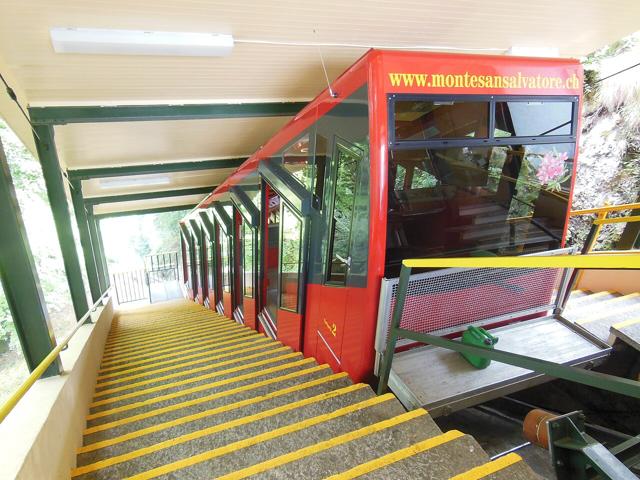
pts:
pixel 476 200
pixel 225 259
pixel 247 259
pixel 298 161
pixel 290 259
pixel 416 120
pixel 536 118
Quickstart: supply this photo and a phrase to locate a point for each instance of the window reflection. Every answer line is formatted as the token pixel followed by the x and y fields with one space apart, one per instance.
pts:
pixel 297 160
pixel 225 259
pixel 503 200
pixel 247 259
pixel 424 120
pixel 290 259
pixel 533 119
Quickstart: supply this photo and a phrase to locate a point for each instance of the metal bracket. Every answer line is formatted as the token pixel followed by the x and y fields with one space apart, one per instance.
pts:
pixel 577 456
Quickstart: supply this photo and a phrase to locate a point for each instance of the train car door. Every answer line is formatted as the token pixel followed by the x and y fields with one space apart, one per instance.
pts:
pixel 224 231
pixel 283 281
pixel 333 303
pixel 238 267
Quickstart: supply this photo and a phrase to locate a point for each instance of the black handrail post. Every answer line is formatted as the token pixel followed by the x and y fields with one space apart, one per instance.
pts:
pixel 401 295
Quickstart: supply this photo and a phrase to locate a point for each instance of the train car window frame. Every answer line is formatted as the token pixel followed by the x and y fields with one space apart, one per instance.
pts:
pixel 252 234
pixel 351 149
pixel 491 139
pixel 300 273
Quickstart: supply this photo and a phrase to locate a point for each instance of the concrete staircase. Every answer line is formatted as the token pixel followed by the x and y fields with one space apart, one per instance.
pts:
pixel 185 393
pixel 607 315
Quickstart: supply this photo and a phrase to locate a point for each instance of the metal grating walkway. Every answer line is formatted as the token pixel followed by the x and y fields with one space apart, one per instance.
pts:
pixel 185 393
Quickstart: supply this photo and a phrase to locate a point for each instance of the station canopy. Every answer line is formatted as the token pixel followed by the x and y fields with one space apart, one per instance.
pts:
pixel 273 70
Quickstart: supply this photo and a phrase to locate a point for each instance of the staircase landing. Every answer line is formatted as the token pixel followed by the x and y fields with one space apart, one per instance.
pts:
pixel 183 392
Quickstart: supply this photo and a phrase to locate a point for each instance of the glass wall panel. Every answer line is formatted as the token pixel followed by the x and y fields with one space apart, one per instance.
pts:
pixel 430 120
pixel 290 259
pixel 13 366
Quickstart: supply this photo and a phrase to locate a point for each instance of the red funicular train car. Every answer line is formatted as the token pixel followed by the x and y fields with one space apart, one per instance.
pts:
pixel 408 155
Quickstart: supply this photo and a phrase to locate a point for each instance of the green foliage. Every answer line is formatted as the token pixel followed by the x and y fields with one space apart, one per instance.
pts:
pixel 167 231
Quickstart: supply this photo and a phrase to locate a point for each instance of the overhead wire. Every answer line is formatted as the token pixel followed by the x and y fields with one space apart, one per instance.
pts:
pixel 617 73
pixel 14 97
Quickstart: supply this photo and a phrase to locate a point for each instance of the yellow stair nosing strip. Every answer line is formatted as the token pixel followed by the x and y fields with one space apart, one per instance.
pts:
pixel 579 300
pixel 199 388
pixel 201 359
pixel 117 336
pixel 608 313
pixel 210 412
pixel 489 468
pixel 241 340
pixel 213 339
pixel 273 434
pixel 206 398
pixel 178 339
pixel 626 323
pixel 159 388
pixel 202 368
pixel 255 340
pixel 214 429
pixel 138 326
pixel 325 445
pixel 166 331
pixel 393 457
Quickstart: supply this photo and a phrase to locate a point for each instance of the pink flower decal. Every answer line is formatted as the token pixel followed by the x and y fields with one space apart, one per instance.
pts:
pixel 551 169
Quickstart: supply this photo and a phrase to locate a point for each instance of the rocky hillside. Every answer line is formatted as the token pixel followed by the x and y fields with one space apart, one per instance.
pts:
pixel 609 162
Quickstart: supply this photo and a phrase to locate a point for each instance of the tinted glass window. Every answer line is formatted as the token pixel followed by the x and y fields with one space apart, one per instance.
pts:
pixel 210 264
pixel 533 119
pixel 272 253
pixel 504 200
pixel 297 160
pixel 225 259
pixel 290 259
pixel 321 165
pixel 431 120
pixel 247 259
pixel 345 193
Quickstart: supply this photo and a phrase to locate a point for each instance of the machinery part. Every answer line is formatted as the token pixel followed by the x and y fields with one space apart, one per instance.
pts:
pixel 535 427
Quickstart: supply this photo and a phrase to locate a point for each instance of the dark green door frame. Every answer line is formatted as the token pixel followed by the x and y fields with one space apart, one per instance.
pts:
pixel 98 250
pixel 103 255
pixel 20 279
pixel 146 211
pixel 90 263
pixel 45 144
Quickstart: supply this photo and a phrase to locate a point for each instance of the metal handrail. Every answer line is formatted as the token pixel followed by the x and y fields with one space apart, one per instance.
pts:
pixel 606 208
pixel 37 372
pixel 599 380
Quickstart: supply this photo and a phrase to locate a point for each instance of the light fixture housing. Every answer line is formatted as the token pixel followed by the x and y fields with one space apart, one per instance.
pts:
pixel 134 181
pixel 140 42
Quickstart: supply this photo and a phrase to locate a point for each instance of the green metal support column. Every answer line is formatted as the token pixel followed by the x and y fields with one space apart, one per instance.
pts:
pixel 85 240
pixel 98 248
pixel 61 215
pixel 20 279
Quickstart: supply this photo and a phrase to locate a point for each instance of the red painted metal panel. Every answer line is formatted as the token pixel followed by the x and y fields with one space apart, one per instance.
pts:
pixel 290 329
pixel 227 304
pixel 250 313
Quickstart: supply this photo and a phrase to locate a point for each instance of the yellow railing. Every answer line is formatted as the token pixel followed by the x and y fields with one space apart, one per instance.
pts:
pixel 606 209
pixel 45 363
pixel 629 261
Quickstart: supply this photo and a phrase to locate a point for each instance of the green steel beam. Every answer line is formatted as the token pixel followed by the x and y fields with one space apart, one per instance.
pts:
pixel 132 113
pixel 85 241
pixel 132 197
pixel 56 192
pixel 169 167
pixel 103 254
pixel 20 279
pixel 147 211
pixel 98 252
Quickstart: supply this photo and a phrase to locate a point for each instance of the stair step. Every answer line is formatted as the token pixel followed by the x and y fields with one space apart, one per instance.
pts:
pixel 186 393
pixel 257 440
pixel 601 317
pixel 586 301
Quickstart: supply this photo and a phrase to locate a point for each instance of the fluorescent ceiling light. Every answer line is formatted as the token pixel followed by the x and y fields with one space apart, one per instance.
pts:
pixel 140 42
pixel 134 181
pixel 519 51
